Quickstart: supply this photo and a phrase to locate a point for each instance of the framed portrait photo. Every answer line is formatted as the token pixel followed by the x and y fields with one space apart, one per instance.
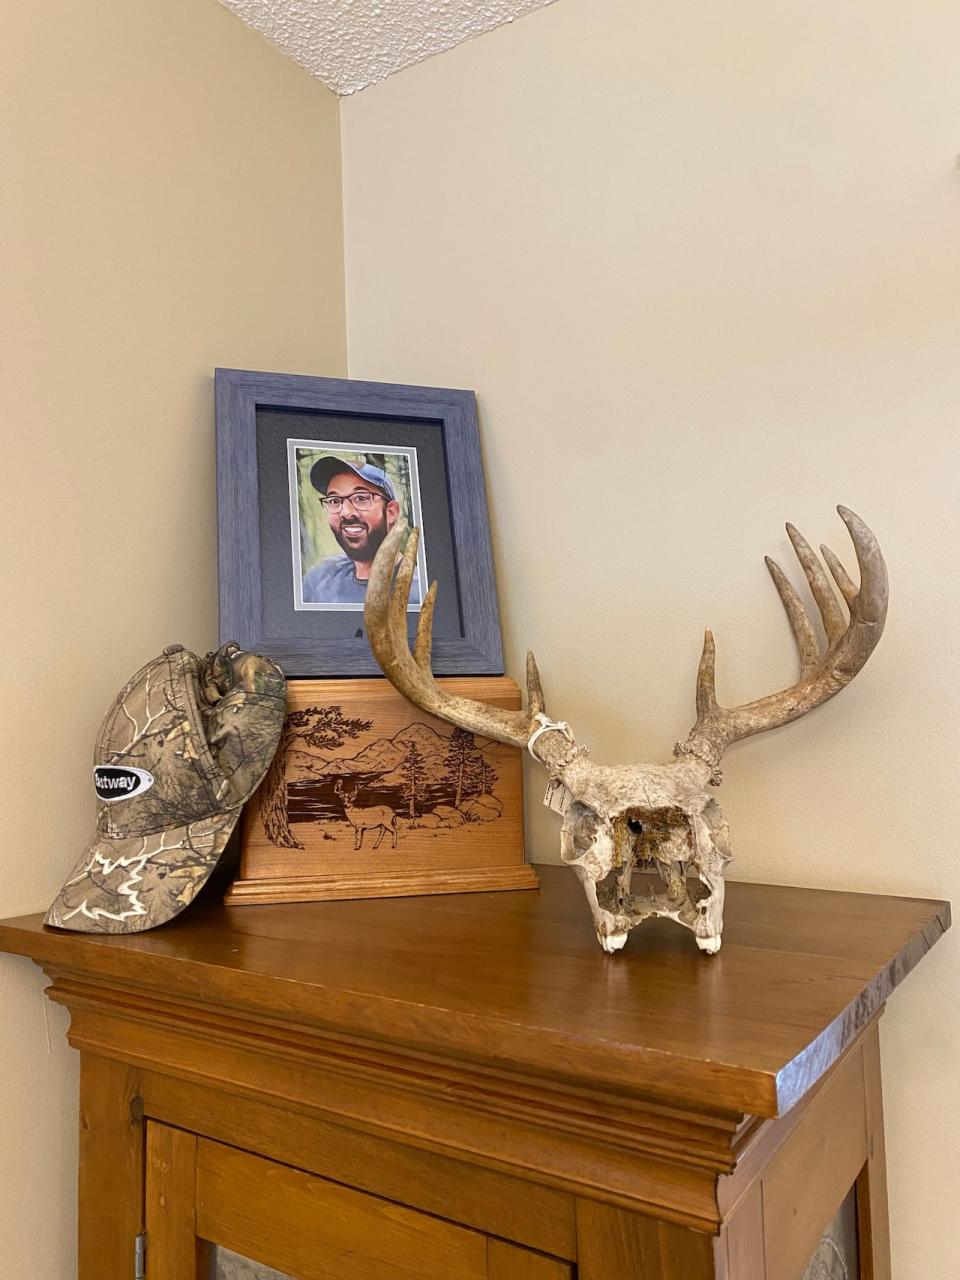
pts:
pixel 344 496
pixel 312 473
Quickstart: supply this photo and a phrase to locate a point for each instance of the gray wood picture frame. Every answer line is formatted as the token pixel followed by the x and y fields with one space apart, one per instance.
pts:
pixel 240 395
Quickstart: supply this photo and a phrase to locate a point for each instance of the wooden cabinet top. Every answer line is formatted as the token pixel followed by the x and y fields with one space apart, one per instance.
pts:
pixel 516 982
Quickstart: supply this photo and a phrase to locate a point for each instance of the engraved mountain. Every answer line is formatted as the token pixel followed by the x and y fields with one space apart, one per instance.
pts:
pixel 384 757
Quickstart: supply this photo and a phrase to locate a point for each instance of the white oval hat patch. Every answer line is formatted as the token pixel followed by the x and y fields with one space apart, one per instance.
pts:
pixel 119 782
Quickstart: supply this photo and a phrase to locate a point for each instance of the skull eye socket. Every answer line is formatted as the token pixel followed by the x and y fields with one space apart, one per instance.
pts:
pixel 635 826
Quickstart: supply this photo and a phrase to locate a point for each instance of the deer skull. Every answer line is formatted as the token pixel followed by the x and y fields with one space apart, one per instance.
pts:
pixel 649 818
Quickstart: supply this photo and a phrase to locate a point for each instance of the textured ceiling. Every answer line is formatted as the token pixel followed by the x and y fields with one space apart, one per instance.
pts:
pixel 349 44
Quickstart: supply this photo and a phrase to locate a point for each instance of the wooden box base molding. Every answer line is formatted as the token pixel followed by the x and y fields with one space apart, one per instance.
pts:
pixel 370 797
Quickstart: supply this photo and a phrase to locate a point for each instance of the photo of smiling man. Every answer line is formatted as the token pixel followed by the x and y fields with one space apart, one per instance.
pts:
pixel 343 505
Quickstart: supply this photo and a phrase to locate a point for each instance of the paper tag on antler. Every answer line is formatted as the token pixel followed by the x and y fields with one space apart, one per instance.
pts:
pixel 558 797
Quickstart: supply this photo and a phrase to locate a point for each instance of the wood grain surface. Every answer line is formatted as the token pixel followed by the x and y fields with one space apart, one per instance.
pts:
pixel 200 1192
pixel 467 1085
pixel 406 805
pixel 615 1244
pixel 809 1177
pixel 744 1255
pixel 111 1167
pixel 872 1209
pixel 519 977
pixel 537 1217
pixel 307 1227
pixel 505 1262
pixel 175 1251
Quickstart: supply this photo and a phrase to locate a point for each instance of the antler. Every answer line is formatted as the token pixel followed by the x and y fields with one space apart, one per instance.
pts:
pixel 385 614
pixel 849 644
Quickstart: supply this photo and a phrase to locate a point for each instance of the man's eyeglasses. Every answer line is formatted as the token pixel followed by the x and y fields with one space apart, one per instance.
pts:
pixel 362 500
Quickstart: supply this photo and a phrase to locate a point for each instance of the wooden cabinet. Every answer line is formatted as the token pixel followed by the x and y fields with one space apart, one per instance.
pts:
pixel 459 1087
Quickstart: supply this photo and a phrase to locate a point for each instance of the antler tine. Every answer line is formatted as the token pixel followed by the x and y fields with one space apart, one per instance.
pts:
pixel 800 623
pixel 849 644
pixel 400 594
pixel 707 677
pixel 840 576
pixel 423 644
pixel 534 686
pixel 385 614
pixel 834 623
pixel 874 592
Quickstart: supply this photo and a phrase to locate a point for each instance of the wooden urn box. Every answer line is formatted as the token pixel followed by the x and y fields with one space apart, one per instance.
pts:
pixel 370 797
pixel 464 1087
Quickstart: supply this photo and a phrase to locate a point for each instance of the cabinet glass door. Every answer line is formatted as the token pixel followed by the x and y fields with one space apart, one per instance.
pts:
pixel 217 1213
pixel 836 1256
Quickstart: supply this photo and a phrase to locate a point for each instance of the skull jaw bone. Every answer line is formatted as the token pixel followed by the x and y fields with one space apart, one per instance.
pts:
pixel 605 850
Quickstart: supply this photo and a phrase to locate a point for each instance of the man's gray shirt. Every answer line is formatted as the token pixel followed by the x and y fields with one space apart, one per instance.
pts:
pixel 334 581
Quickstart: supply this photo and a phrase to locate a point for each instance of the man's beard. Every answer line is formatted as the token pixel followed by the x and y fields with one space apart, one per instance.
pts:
pixel 363 549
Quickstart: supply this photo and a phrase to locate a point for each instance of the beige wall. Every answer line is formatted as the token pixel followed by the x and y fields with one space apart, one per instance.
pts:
pixel 169 201
pixel 701 263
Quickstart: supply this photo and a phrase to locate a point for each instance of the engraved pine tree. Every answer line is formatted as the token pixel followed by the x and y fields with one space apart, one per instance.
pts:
pixel 488 778
pixel 479 777
pixel 413 774
pixel 321 728
pixel 462 761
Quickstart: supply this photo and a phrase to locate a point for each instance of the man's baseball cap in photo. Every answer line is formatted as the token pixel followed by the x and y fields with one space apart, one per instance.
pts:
pixel 323 471
pixel 186 742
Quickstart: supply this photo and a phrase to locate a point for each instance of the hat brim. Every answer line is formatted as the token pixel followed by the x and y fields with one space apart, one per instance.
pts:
pixel 135 883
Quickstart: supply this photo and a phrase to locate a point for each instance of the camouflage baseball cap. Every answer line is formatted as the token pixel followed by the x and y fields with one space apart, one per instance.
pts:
pixel 186 742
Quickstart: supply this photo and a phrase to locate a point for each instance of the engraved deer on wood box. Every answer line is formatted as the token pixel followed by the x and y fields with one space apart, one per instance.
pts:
pixel 366 817
pixel 357 763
